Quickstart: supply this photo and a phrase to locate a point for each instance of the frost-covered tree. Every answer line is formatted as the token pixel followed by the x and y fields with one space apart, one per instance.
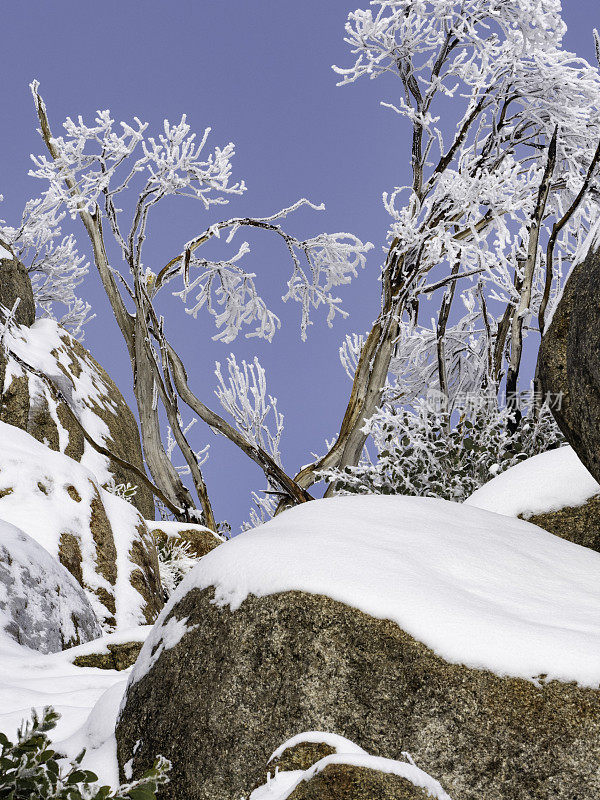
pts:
pixel 53 262
pixel 504 147
pixel 112 178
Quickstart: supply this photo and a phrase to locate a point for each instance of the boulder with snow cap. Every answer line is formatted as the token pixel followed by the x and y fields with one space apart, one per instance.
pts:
pixel 469 639
pixel 553 490
pixel 321 766
pixel 41 605
pixel 27 402
pixel 197 539
pixel 100 538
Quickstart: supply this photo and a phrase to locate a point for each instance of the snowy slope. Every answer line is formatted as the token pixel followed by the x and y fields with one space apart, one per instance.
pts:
pixel 478 588
pixel 87 699
pixel 546 482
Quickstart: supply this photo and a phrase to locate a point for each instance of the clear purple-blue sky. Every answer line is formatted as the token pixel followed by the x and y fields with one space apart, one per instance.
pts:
pixel 259 74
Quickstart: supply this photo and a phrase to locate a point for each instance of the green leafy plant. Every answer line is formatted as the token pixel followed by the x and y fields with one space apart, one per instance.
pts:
pixel 29 768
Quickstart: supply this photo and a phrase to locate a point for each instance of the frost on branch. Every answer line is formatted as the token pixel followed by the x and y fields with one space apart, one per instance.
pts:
pixel 244 396
pixel 53 263
pixel 502 127
pixel 172 163
pixel 230 294
pixel 474 190
pixel 96 164
pixel 349 353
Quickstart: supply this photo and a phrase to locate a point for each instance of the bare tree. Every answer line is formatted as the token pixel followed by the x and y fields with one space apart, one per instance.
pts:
pixel 88 186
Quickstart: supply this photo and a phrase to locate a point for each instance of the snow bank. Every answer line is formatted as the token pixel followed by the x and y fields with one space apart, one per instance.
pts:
pixel 479 588
pixel 546 482
pixel 282 785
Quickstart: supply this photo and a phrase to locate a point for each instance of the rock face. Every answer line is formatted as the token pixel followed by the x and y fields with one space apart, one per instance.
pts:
pixel 348 782
pixel 15 283
pixel 27 402
pixel 569 361
pixel 578 524
pixel 101 539
pixel 41 604
pixel 217 691
pixel 118 656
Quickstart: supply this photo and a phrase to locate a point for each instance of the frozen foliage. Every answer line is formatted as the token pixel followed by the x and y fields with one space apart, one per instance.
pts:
pixel 502 64
pixel 547 482
pixel 480 589
pixel 41 604
pixel 175 560
pixel 419 451
pixel 244 396
pixel 102 160
pixel 262 509
pixel 53 262
pixel 30 768
pixel 511 85
pixel 504 131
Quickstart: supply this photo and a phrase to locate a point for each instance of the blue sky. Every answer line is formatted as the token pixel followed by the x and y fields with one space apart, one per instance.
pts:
pixel 259 74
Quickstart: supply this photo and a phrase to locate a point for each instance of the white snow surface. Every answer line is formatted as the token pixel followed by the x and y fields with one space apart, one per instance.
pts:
pixel 283 783
pixel 479 588
pixel 172 528
pixel 546 482
pixel 4 253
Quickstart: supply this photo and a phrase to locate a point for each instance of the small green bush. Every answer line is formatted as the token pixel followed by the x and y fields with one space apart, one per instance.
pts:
pixel 30 769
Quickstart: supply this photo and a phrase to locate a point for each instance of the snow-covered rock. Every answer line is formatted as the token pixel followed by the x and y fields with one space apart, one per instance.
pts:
pixel 546 482
pixel 464 637
pixel 41 605
pixel 347 771
pixel 198 539
pixel 552 490
pixel 101 539
pixel 27 402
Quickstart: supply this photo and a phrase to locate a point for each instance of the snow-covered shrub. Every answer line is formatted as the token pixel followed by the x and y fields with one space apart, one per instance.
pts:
pixel 175 560
pixel 126 491
pixel 29 768
pixel 420 452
